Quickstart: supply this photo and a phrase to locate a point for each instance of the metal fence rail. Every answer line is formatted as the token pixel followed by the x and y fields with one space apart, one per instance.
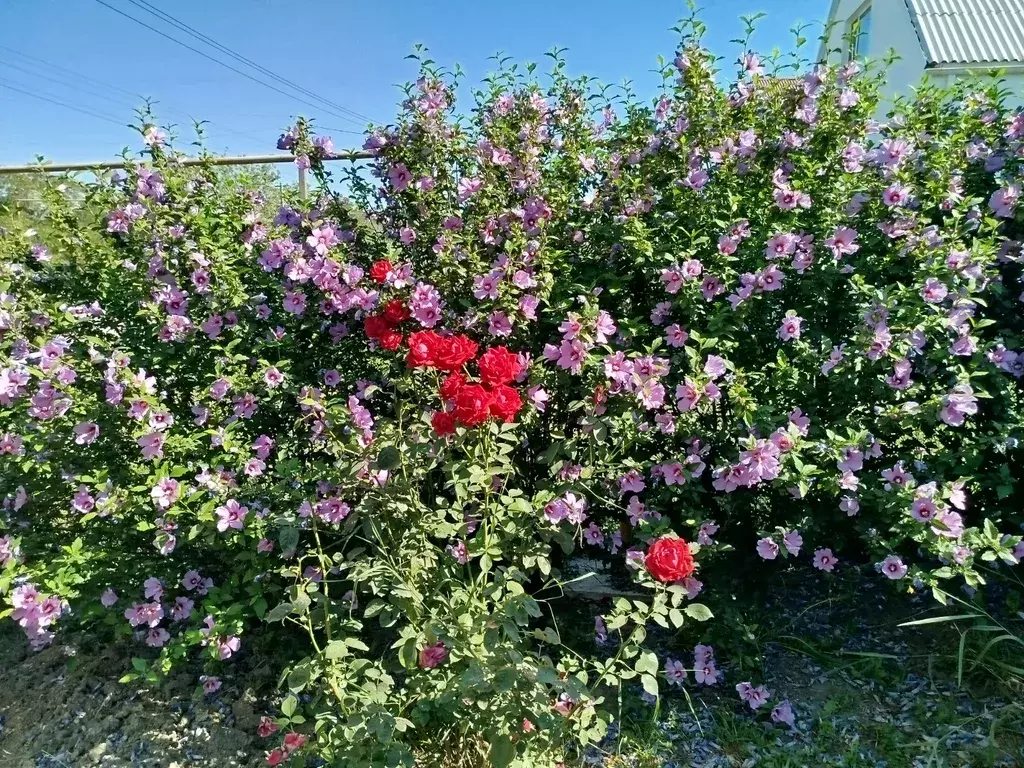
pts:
pixel 349 155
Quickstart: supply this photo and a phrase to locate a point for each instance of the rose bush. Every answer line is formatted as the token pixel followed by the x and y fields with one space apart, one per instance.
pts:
pixel 750 318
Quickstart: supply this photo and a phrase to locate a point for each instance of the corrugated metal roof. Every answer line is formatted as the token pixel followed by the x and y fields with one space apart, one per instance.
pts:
pixel 970 31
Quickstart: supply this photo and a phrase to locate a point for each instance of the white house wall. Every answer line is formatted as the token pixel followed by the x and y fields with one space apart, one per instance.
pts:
pixel 891 28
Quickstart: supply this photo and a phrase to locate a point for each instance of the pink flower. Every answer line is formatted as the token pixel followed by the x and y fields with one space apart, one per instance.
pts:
pixel 715 367
pixel 793 541
pixel 1004 201
pixel 294 302
pixel 849 505
pixel 210 684
pixel 152 445
pixel 934 291
pixel 895 195
pixel 824 560
pixel 231 515
pixel 157 637
pixel 707 529
pixel 790 328
pixel 165 493
pixel 687 395
pixel 675 672
pixel 86 433
pixel 767 548
pixel 755 697
pixel 227 647
pixel 892 567
pixel 841 243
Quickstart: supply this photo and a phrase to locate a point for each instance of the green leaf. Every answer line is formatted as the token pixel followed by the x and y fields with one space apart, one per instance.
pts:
pixel 503 751
pixel 298 679
pixel 288 705
pixel 288 537
pixel 698 611
pixel 279 612
pixel 647 663
pixel 389 458
pixel 336 649
pixel 650 684
pixel 676 617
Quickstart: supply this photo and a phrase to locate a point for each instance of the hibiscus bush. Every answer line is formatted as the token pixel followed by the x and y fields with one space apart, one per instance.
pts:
pixel 365 433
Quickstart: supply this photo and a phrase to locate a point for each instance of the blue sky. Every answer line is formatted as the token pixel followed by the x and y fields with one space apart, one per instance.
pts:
pixel 350 53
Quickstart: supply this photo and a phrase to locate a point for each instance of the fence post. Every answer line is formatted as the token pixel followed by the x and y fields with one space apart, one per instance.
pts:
pixel 302 183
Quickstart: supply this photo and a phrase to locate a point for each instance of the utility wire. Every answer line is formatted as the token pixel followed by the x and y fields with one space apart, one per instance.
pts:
pixel 64 82
pixel 116 101
pixel 71 72
pixel 146 6
pixel 83 110
pixel 218 61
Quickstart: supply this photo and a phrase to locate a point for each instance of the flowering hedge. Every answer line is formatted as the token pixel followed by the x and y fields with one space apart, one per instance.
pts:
pixel 739 324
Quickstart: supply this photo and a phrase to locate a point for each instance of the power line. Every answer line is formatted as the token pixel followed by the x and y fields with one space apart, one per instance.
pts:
pixel 146 6
pixel 62 82
pixel 218 61
pixel 111 87
pixel 71 72
pixel 83 110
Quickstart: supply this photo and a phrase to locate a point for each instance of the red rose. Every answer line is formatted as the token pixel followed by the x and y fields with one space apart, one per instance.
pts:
pixel 422 348
pixel 443 423
pixel 379 270
pixel 376 326
pixel 395 311
pixel 451 385
pixel 505 403
pixel 669 559
pixel 499 366
pixel 454 352
pixel 390 340
pixel 472 405
pixel 276 757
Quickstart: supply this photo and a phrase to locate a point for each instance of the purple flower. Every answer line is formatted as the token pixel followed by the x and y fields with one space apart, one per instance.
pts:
pixel 783 713
pixel 824 560
pixel 767 548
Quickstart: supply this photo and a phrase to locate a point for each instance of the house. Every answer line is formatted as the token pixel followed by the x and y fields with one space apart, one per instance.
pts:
pixel 943 39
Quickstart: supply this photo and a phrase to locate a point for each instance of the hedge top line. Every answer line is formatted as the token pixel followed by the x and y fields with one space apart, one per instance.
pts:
pixel 350 155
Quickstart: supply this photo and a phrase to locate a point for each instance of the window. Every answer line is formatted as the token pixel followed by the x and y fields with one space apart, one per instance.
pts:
pixel 860 34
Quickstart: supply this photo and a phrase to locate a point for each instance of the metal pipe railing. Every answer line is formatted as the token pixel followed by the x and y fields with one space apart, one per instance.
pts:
pixel 350 155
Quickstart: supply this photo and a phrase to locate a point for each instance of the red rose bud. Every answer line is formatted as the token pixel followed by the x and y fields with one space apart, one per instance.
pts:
pixel 443 423
pixel 669 559
pixel 379 270
pixel 499 366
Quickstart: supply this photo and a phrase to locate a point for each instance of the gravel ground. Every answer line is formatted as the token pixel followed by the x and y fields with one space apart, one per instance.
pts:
pixel 863 690
pixel 59 715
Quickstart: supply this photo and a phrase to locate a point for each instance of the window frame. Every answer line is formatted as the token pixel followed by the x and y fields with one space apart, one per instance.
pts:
pixel 855 48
